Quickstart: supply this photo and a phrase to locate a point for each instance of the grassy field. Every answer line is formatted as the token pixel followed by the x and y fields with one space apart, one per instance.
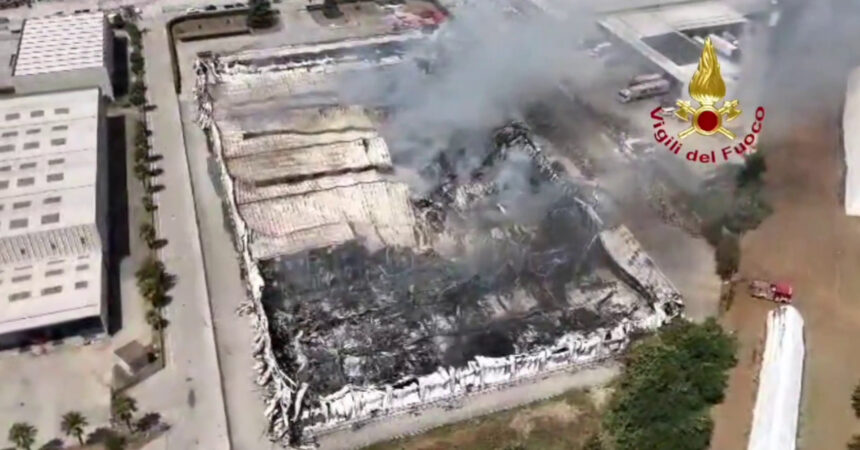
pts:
pixel 560 423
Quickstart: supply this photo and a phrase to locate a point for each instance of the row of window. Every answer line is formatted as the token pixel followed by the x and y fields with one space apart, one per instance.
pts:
pixel 49 273
pixel 29 181
pixel 23 295
pixel 23 222
pixel 6 148
pixel 36 113
pixel 32 131
pixel 32 165
pixel 28 203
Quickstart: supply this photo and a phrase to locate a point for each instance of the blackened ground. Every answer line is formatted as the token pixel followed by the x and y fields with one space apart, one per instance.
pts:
pixel 372 318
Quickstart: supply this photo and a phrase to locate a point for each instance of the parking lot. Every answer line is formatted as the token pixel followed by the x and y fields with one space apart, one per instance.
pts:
pixel 39 389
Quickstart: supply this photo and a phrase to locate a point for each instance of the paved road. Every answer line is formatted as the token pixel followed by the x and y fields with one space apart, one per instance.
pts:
pixel 188 392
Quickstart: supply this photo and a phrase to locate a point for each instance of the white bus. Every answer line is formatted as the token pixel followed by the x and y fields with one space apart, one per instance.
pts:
pixel 644 90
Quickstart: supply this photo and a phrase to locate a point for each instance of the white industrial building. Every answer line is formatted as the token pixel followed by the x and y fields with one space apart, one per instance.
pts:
pixel 53 220
pixel 780 383
pixel 851 144
pixel 671 35
pixel 64 52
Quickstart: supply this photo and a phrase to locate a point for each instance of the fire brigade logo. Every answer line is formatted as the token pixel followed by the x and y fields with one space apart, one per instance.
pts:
pixel 707 88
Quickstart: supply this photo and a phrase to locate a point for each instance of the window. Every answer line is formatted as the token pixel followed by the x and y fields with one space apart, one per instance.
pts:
pixel 34 131
pixel 20 205
pixel 56 261
pixel 53 273
pixel 59 127
pixel 31 145
pixel 58 141
pixel 50 218
pixel 29 165
pixel 13 116
pixel 4 184
pixel 61 111
pixel 14 224
pixel 81 285
pixel 82 267
pixel 19 296
pixel 51 200
pixel 26 181
pixel 7 148
pixel 9 134
pixel 5 168
pixel 54 162
pixel 52 290
pixel 55 177
pixel 21 278
pixel 37 113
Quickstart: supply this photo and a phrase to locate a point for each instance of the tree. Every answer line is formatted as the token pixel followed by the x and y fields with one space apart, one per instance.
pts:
pixel 23 435
pixel 141 171
pixel 73 425
pixel 148 204
pixel 260 14
pixel 115 441
pixel 137 64
pixel 728 256
pixel 123 408
pixel 137 93
pixel 669 382
pixel 753 170
pixel 854 443
pixel 153 282
pixel 147 234
pixel 855 401
pixel 331 10
pixel 156 320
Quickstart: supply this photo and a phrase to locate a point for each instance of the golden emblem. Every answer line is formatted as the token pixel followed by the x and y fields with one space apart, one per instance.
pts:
pixel 707 87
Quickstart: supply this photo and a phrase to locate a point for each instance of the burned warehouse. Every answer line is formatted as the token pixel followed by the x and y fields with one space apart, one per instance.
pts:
pixel 383 279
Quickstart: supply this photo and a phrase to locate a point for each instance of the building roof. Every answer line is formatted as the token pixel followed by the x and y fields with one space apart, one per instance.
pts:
pixel 851 144
pixel 54 44
pixel 50 247
pixel 653 29
pixel 48 161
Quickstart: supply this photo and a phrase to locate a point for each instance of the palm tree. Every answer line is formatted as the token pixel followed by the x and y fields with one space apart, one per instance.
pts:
pixel 148 204
pixel 141 171
pixel 123 408
pixel 147 233
pixel 23 435
pixel 73 425
pixel 155 319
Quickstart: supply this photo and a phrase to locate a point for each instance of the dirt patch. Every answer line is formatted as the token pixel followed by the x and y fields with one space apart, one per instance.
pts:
pixel 809 241
pixel 560 423
pixel 524 422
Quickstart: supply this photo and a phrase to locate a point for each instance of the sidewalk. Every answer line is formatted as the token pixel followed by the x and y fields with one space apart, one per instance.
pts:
pixel 188 391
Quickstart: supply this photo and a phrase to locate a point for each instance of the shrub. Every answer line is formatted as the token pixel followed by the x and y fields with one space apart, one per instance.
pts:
pixel 137 93
pixel 855 401
pixel 260 14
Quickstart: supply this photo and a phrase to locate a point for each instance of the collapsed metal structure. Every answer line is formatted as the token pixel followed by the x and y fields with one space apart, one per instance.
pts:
pixel 347 332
